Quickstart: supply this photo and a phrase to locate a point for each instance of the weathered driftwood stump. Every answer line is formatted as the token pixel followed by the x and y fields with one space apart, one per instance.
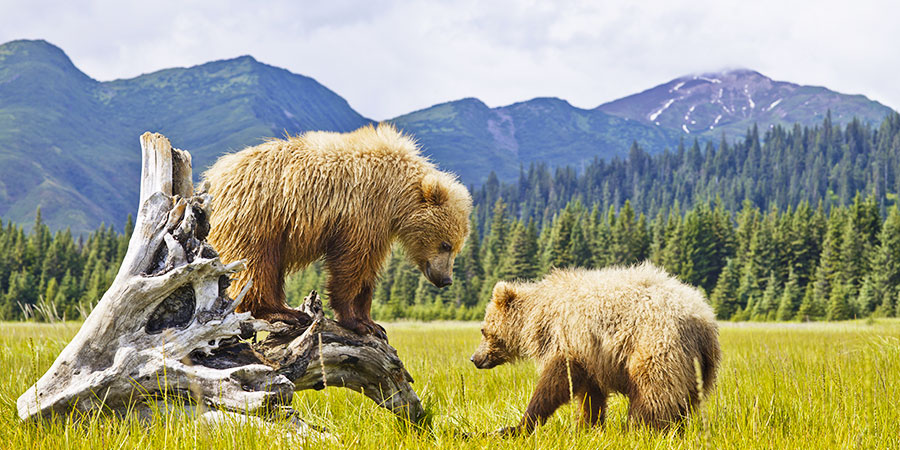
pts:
pixel 166 329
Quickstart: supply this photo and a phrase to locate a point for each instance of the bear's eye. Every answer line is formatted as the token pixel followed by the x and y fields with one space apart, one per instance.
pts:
pixel 483 333
pixel 445 247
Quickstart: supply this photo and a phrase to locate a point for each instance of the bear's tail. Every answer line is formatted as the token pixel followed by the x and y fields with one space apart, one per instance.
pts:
pixel 710 354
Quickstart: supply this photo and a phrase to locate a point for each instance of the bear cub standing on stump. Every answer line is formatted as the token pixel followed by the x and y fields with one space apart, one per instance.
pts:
pixel 342 196
pixel 636 331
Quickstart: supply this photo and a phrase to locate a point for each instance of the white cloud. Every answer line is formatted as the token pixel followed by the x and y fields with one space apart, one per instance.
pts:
pixel 391 57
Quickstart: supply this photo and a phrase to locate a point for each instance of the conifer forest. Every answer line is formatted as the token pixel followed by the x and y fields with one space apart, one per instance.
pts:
pixel 789 224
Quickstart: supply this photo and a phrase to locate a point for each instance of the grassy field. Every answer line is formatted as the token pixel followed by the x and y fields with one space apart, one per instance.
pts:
pixel 780 386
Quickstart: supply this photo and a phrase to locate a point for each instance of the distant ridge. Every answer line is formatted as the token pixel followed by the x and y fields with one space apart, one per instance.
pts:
pixel 732 101
pixel 471 139
pixel 69 144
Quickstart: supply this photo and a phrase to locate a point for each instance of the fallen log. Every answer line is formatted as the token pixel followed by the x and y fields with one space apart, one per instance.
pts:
pixel 166 329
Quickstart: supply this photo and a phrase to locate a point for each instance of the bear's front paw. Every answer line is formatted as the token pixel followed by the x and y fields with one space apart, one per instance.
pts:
pixel 376 330
pixel 508 431
pixel 364 327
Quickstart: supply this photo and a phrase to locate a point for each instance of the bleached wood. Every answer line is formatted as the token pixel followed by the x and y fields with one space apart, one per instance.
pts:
pixel 146 341
pixel 364 364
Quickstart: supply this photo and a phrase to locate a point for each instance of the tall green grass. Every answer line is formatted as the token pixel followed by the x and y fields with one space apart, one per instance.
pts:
pixel 780 386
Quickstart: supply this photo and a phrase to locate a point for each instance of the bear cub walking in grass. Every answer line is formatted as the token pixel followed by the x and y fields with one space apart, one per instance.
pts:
pixel 635 331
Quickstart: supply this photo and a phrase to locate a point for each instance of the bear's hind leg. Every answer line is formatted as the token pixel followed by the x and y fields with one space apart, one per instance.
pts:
pixel 351 280
pixel 593 405
pixel 265 299
pixel 652 406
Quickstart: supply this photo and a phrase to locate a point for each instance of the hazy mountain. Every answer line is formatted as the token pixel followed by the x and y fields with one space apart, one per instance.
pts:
pixel 69 144
pixel 471 139
pixel 732 101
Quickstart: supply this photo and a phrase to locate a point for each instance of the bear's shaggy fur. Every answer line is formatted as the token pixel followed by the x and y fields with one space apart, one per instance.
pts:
pixel 636 331
pixel 342 196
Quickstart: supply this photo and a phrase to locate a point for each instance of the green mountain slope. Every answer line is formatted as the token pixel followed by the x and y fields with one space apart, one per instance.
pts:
pixel 471 139
pixel 69 144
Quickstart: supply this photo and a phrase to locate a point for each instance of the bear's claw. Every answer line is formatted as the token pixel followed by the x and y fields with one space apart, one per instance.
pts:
pixel 364 327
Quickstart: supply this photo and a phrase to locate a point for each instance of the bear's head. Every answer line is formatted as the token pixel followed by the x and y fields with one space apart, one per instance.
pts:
pixel 434 233
pixel 498 332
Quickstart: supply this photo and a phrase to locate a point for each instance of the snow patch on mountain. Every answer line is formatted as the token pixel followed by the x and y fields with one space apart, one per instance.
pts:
pixel 711 80
pixel 666 106
pixel 749 97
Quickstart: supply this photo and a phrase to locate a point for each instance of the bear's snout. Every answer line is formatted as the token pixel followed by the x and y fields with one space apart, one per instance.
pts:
pixel 483 362
pixel 439 270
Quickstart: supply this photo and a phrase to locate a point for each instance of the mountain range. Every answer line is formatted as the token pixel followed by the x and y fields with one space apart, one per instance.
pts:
pixel 732 101
pixel 69 143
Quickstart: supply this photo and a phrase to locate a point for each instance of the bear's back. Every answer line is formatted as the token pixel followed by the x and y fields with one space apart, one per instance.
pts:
pixel 613 310
pixel 641 291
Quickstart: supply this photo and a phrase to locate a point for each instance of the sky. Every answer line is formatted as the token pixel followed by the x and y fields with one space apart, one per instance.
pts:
pixel 388 58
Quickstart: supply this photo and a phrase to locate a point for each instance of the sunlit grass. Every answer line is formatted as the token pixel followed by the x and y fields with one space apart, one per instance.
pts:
pixel 780 386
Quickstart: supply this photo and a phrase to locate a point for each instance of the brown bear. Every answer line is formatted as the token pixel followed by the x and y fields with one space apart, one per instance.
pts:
pixel 636 331
pixel 344 197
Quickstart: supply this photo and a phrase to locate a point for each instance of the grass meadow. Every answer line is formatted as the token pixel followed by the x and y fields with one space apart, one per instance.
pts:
pixel 780 386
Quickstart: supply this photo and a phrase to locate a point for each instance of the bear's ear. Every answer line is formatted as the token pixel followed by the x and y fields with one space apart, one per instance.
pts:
pixel 503 294
pixel 434 190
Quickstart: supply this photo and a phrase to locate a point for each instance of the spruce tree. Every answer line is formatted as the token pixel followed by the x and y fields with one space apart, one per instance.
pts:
pixel 579 246
pixel 859 236
pixel 497 239
pixel 885 273
pixel 674 256
pixel 790 298
pixel 559 248
pixel 468 272
pixel 830 265
pixel 724 298
pixel 658 241
pixel 522 257
pixel 838 303
pixel 767 307
pixel 601 244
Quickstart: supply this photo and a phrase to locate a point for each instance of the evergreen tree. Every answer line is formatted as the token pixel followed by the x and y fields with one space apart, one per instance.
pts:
pixel 724 298
pixel 497 239
pixel 860 231
pixel 830 264
pixel 838 303
pixel 674 257
pixel 601 244
pixel 811 307
pixel 885 273
pixel 403 289
pixel 790 298
pixel 768 305
pixel 579 246
pixel 559 247
pixel 467 270
pixel 522 257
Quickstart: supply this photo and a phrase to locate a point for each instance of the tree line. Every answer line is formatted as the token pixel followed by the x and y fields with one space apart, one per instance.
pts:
pixel 826 163
pixel 800 263
pixel 801 224
pixel 56 276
